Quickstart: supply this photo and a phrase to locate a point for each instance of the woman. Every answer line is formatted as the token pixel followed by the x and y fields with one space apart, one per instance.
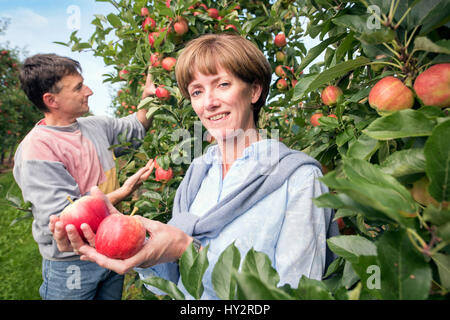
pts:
pixel 253 191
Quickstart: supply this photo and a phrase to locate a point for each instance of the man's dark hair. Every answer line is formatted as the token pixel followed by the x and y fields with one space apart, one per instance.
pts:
pixel 42 72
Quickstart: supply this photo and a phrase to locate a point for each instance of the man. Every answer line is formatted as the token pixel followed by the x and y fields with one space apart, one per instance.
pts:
pixel 64 155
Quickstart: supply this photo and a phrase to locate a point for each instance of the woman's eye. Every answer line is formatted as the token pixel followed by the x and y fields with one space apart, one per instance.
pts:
pixel 224 84
pixel 195 93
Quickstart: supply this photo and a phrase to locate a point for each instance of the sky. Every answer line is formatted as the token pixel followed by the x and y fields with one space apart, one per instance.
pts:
pixel 36 24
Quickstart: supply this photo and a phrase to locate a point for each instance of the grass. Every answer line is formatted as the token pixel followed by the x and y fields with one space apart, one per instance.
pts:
pixel 20 260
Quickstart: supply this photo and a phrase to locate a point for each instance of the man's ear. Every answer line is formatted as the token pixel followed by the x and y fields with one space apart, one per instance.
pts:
pixel 256 92
pixel 49 100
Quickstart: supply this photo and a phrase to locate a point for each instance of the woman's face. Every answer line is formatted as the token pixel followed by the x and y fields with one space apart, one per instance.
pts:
pixel 223 103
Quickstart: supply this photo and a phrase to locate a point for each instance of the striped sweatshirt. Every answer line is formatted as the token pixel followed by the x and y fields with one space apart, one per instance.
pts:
pixel 53 162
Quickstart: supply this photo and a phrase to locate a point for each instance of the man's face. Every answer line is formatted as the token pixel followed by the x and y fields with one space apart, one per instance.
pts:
pixel 72 99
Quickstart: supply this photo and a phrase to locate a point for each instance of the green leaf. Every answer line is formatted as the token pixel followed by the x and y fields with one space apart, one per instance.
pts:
pixel 252 287
pixel 352 247
pixel 312 82
pixel 222 276
pixel 317 50
pixel 311 289
pixel 358 24
pixel 443 264
pixel 404 162
pixel 193 266
pixel 363 148
pixel 437 158
pixel 165 285
pixel 114 20
pixel 374 188
pixel 425 44
pixel 405 275
pixel 400 124
pixel 436 17
pixel 259 264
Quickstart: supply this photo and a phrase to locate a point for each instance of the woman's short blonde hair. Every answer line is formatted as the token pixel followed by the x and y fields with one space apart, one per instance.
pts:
pixel 235 54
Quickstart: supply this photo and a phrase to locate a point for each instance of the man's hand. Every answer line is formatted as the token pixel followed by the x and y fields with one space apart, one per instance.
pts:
pixel 148 90
pixel 132 183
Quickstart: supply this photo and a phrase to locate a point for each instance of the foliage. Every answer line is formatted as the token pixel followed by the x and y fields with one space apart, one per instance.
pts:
pixel 17 114
pixel 388 174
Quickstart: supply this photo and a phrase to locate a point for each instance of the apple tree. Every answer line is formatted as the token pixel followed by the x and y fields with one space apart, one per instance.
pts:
pixel 369 100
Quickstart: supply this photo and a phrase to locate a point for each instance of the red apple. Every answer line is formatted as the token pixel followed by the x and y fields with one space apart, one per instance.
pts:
pixel 280 40
pixel 181 26
pixel 152 36
pixel 148 24
pixel 231 26
pixel 168 63
pixel 123 74
pixel 144 12
pixel 162 93
pixel 389 95
pixel 213 13
pixel 332 116
pixel 315 119
pixel 330 95
pixel 282 84
pixel 154 59
pixel 433 86
pixel 88 209
pixel 120 236
pixel 279 71
pixel 163 175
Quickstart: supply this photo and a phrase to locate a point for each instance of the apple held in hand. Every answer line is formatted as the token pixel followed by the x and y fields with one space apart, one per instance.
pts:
pixel 120 236
pixel 88 209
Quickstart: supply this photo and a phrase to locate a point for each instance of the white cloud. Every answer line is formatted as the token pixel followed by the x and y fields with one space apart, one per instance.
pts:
pixel 26 18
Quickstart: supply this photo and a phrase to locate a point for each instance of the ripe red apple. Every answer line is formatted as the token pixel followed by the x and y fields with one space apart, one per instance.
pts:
pixel 213 13
pixel 279 71
pixel 162 93
pixel 120 236
pixel 332 116
pixel 330 95
pixel 433 86
pixel 88 209
pixel 154 59
pixel 144 12
pixel 168 63
pixel 148 24
pixel 282 84
pixel 181 26
pixel 315 119
pixel 123 74
pixel 163 175
pixel 389 95
pixel 152 36
pixel 280 40
pixel 231 26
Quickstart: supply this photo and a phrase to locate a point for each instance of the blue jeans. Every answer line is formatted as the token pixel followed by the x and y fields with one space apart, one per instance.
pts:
pixel 79 280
